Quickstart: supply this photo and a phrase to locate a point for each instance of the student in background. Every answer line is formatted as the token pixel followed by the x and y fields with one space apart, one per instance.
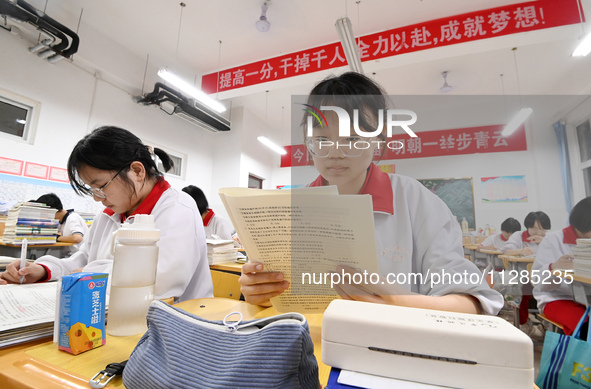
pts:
pixel 214 225
pixel 555 298
pixel 415 231
pixel 525 243
pixel 114 167
pixel 496 241
pixel 72 227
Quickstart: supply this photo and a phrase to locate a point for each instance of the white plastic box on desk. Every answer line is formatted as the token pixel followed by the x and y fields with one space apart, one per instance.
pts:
pixel 435 347
pixel 135 260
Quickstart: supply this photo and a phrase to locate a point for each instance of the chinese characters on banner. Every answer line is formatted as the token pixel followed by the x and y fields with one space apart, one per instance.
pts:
pixel 506 20
pixel 472 140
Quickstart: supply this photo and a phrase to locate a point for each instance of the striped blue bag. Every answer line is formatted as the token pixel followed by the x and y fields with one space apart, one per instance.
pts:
pixel 566 360
pixel 182 350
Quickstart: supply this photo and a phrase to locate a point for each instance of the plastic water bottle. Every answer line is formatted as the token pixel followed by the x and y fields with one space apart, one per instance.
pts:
pixel 135 252
pixel 464 225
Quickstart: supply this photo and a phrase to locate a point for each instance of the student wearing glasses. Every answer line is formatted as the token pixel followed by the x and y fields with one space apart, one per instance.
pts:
pixel 114 167
pixel 415 231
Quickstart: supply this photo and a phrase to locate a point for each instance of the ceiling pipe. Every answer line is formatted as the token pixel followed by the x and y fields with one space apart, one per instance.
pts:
pixel 22 11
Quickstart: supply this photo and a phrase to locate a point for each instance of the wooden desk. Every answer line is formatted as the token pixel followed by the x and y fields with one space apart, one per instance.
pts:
pixel 581 287
pixel 515 265
pixel 232 267
pixel 36 246
pixel 490 256
pixel 12 250
pixel 473 249
pixel 44 366
pixel 225 279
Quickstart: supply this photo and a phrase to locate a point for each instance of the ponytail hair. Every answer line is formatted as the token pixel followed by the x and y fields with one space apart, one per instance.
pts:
pixel 167 162
pixel 114 149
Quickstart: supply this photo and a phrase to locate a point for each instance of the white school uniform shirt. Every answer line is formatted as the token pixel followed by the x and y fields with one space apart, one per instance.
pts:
pixel 74 224
pixel 548 288
pixel 217 225
pixel 182 272
pixel 496 240
pixel 418 236
pixel 519 241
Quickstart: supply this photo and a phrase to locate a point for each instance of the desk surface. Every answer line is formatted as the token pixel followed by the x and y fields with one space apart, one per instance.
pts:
pixel 494 252
pixel 34 246
pixel 512 258
pixel 233 267
pixel 575 277
pixel 584 280
pixel 44 366
pixel 471 246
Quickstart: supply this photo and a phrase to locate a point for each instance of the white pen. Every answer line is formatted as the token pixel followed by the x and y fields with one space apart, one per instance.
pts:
pixel 23 257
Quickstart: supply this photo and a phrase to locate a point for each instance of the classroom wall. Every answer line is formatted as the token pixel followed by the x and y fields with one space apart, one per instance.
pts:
pixel 74 101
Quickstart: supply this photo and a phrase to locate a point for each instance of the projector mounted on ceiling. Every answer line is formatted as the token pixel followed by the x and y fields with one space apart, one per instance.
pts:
pixel 174 103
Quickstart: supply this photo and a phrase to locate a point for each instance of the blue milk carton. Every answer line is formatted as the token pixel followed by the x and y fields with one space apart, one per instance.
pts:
pixel 82 305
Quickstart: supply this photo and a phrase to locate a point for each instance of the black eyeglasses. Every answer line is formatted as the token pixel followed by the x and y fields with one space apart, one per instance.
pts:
pixel 98 192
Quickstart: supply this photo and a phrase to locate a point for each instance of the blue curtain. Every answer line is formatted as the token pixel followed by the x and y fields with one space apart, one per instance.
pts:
pixel 567 183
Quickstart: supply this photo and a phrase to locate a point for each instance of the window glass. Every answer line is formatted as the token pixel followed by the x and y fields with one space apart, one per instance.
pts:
pixel 587 177
pixel 15 118
pixel 255 182
pixel 584 137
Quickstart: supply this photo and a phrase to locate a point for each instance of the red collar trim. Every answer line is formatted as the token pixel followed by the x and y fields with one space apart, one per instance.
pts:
pixel 570 235
pixel 525 235
pixel 318 182
pixel 208 217
pixel 146 207
pixel 377 184
pixel 503 238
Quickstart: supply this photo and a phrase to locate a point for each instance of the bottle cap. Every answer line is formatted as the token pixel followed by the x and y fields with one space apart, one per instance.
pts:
pixel 143 227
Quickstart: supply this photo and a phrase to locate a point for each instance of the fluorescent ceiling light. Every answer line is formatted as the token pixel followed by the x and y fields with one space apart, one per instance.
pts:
pixel 517 121
pixel 267 142
pixel 345 31
pixel 191 90
pixel 584 47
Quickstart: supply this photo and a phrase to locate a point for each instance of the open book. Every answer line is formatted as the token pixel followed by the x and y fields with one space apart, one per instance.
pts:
pixel 304 233
pixel 27 312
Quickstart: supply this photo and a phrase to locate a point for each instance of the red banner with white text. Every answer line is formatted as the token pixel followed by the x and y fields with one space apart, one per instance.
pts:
pixel 472 140
pixel 473 26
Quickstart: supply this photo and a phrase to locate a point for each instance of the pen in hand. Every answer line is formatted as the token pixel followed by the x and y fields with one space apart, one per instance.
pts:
pixel 23 257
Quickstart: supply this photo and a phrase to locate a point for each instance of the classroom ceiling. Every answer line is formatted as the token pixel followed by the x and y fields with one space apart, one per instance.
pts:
pixel 161 33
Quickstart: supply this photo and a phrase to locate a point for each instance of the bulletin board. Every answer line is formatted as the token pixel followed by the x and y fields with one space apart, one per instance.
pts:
pixel 457 193
pixel 19 188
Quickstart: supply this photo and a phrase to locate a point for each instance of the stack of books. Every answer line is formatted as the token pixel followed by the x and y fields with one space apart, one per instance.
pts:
pixel 33 221
pixel 28 312
pixel 220 251
pixel 2 224
pixel 582 255
pixel 88 218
